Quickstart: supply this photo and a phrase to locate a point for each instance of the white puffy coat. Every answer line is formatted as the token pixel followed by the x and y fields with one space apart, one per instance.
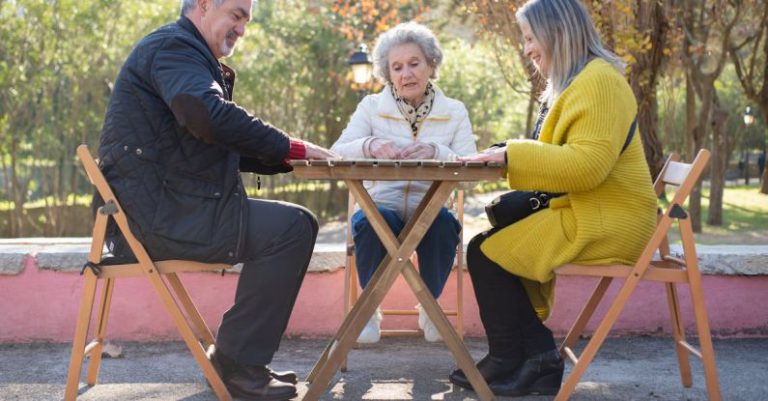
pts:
pixel 447 127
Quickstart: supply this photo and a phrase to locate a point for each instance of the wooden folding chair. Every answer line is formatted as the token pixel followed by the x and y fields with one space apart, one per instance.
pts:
pixel 661 267
pixel 163 277
pixel 351 286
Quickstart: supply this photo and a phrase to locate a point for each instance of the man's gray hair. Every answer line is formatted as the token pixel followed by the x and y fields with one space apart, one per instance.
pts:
pixel 409 32
pixel 187 5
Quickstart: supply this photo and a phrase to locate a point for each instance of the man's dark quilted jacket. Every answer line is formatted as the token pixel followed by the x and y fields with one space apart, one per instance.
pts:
pixel 173 145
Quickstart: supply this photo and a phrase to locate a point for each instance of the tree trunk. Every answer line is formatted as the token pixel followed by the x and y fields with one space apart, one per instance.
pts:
pixel 764 182
pixel 644 80
pixel 693 131
pixel 718 163
pixel 764 175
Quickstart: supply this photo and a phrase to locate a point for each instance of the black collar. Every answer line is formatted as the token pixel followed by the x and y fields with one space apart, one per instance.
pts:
pixel 186 24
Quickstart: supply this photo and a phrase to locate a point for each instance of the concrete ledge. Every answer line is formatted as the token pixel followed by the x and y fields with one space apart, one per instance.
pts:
pixel 731 260
pixel 69 254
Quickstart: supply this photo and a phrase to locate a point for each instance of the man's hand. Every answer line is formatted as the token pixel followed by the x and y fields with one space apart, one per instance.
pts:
pixel 315 152
pixel 383 149
pixel 495 154
pixel 418 150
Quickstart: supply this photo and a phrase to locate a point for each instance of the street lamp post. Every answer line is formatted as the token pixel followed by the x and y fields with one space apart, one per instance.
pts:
pixel 362 68
pixel 749 119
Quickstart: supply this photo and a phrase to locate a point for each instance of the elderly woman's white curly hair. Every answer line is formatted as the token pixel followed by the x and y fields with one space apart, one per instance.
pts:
pixel 409 32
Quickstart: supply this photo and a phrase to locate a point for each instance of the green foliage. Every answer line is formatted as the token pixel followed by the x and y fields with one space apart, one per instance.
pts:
pixel 57 62
pixel 469 74
pixel 59 59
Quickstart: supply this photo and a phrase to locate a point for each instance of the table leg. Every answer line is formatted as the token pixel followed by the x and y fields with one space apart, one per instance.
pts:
pixel 377 288
pixel 399 250
pixel 452 340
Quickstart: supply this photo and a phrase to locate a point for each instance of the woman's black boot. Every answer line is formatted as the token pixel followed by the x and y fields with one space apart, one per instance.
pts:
pixel 539 374
pixel 491 368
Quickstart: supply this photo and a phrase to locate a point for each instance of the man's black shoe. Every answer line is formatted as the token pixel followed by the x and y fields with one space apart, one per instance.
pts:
pixel 540 374
pixel 491 368
pixel 255 383
pixel 286 376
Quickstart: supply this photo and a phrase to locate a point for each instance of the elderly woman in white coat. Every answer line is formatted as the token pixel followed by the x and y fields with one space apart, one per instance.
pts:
pixel 409 119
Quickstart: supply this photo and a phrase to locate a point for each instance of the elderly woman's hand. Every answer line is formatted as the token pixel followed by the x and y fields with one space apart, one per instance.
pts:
pixel 418 150
pixel 494 154
pixel 383 149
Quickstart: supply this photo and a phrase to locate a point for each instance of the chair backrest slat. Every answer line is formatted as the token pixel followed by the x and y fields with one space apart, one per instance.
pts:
pixel 676 173
pixel 686 175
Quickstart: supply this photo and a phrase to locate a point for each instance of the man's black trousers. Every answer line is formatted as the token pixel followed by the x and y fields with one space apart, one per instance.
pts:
pixel 279 241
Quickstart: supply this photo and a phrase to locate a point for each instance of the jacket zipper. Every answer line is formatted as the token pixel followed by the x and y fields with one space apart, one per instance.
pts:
pixel 408 186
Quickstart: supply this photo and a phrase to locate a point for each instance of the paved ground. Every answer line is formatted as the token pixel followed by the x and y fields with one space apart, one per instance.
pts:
pixel 634 368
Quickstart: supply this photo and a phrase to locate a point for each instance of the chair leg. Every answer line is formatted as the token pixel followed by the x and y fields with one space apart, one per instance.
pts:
pixel 197 350
pixel 597 340
pixel 81 332
pixel 700 310
pixel 705 339
pixel 350 292
pixel 460 301
pixel 678 333
pixel 101 331
pixel 585 315
pixel 200 327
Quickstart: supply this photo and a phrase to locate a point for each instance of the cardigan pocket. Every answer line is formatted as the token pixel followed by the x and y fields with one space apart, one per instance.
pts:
pixel 568 223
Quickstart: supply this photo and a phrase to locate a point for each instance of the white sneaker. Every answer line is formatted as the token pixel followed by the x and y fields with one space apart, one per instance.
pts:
pixel 372 331
pixel 425 324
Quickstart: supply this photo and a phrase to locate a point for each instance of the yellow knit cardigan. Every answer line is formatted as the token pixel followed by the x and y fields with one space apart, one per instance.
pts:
pixel 609 212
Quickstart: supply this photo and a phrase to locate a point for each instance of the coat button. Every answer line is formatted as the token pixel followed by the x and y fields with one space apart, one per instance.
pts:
pixel 217 194
pixel 125 148
pixel 138 152
pixel 231 254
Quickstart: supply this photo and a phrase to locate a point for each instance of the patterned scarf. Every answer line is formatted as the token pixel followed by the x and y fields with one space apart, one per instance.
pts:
pixel 415 115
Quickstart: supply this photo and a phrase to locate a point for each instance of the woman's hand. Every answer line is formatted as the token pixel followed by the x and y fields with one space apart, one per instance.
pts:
pixel 418 150
pixel 494 154
pixel 383 149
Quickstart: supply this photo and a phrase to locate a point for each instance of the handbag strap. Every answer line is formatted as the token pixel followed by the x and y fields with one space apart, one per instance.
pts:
pixel 544 197
pixel 543 110
pixel 630 134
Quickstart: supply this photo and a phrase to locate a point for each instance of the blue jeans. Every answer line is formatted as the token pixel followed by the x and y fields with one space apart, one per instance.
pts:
pixel 436 251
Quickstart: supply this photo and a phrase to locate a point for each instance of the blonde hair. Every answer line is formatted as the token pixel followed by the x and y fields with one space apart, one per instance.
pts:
pixel 568 36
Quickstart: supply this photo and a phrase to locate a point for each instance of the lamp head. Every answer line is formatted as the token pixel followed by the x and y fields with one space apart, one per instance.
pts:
pixel 749 118
pixel 362 67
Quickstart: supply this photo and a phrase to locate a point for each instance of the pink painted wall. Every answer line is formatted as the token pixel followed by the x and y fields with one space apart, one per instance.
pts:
pixel 39 305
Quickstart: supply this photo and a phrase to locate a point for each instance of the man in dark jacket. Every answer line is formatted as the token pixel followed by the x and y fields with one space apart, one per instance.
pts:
pixel 172 148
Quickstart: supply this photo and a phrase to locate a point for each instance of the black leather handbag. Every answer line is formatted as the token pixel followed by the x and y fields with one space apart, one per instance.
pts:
pixel 515 206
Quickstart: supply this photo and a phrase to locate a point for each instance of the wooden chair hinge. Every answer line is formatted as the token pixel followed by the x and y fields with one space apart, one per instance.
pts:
pixel 678 212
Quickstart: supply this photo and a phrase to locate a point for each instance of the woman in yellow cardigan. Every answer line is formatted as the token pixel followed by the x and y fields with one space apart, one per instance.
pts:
pixel 583 151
